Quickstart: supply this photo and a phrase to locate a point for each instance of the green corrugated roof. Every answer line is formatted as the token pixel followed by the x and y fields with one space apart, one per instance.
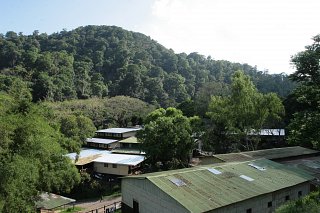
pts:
pixel 275 153
pixel 50 201
pixel 130 140
pixel 204 191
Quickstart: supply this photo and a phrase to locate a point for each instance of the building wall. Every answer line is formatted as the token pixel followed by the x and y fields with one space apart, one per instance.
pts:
pixel 108 169
pixel 260 204
pixel 152 200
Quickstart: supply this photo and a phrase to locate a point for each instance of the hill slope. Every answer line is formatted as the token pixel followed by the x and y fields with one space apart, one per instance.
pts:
pixel 108 60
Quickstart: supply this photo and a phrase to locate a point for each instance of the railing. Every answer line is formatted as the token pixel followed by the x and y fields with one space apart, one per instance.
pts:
pixel 107 208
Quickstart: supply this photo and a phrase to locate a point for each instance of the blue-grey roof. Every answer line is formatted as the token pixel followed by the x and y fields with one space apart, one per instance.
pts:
pixel 101 140
pixel 131 160
pixel 119 130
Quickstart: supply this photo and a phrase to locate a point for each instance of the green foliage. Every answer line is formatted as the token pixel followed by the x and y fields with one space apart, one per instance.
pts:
pixel 119 111
pixel 309 204
pixel 31 159
pixel 100 61
pixel 76 129
pixel 166 138
pixel 233 117
pixel 305 123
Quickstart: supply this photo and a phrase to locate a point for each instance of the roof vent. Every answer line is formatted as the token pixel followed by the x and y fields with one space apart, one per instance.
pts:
pixel 257 167
pixel 246 178
pixel 177 181
pixel 214 171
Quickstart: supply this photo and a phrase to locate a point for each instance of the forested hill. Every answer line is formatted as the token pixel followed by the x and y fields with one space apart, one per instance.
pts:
pixel 108 61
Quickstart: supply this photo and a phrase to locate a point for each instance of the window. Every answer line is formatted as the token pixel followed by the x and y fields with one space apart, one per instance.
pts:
pixel 287 197
pixel 299 193
pixel 269 204
pixel 249 210
pixel 114 165
pixel 106 165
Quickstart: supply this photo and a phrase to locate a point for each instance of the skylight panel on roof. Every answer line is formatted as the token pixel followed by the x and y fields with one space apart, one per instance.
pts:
pixel 177 181
pixel 257 167
pixel 246 178
pixel 214 171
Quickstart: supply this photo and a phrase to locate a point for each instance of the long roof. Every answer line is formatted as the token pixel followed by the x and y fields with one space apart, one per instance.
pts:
pixel 275 153
pixel 202 189
pixel 100 140
pixel 123 159
pixel 119 130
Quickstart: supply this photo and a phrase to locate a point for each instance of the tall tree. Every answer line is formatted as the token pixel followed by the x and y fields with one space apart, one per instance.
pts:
pixel 244 111
pixel 166 138
pixel 31 158
pixel 305 125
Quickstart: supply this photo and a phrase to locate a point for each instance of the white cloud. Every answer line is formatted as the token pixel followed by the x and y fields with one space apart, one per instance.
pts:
pixel 262 33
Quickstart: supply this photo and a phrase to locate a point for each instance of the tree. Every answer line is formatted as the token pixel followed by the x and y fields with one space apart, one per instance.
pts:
pixel 121 110
pixel 310 204
pixel 244 111
pixel 166 138
pixel 31 158
pixel 305 125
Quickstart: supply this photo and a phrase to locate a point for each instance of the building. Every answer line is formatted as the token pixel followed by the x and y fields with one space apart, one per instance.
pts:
pixel 250 186
pixel 117 133
pixel 108 138
pixel 129 145
pixel 102 143
pixel 275 154
pixel 117 164
pixel 105 162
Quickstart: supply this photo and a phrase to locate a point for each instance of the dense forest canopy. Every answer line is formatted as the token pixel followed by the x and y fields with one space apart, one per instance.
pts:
pixel 100 61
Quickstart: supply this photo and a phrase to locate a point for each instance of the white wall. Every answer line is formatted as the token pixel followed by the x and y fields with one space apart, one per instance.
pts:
pixel 150 198
pixel 120 170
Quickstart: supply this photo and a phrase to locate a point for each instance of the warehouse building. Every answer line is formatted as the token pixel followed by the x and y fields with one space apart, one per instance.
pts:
pixel 250 186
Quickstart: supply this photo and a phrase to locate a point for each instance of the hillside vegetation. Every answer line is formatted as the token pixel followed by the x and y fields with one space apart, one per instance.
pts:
pixel 100 61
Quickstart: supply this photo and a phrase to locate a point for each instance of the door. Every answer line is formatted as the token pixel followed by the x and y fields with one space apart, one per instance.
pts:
pixel 135 206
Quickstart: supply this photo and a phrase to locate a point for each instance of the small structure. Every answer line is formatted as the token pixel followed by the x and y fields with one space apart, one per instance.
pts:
pixel 130 146
pixel 48 202
pixel 117 164
pixel 252 186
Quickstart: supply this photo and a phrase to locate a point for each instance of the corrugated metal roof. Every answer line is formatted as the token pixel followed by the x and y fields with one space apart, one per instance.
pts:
pixel 50 201
pixel 310 164
pixel 205 191
pixel 86 156
pixel 119 130
pixel 100 140
pixel 131 160
pixel 275 153
pixel 128 151
pixel 130 140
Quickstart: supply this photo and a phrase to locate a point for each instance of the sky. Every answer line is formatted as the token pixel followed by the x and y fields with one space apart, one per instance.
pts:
pixel 264 33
